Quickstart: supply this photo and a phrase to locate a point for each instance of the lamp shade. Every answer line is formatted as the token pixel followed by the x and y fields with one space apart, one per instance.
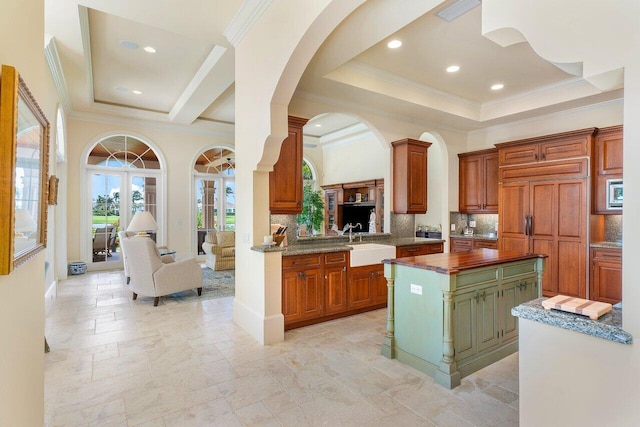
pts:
pixel 142 221
pixel 24 221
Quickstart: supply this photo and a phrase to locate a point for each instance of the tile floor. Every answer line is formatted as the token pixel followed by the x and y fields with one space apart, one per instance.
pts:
pixel 118 362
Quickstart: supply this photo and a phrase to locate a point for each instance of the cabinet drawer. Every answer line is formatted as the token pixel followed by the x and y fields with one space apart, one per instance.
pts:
pixel 489 244
pixel 461 245
pixel 435 248
pixel 414 250
pixel 301 261
pixel 335 258
pixel 606 253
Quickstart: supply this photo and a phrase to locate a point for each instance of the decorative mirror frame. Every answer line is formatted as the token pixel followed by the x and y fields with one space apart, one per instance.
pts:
pixel 12 90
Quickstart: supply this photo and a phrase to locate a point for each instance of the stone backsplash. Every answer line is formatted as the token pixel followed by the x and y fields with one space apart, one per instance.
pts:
pixel 485 223
pixel 613 228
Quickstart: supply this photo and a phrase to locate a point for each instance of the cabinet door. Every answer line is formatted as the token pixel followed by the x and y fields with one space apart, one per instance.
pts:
pixel 519 154
pixel 490 177
pixel 312 293
pixel 417 194
pixel 606 275
pixel 565 148
pixel 544 205
pixel 410 176
pixel 330 206
pixel 291 296
pixel 360 292
pixel 514 207
pixel 461 245
pixel 285 181
pixel 509 298
pixel 335 279
pixel 489 244
pixel 465 324
pixel 488 313
pixel 379 284
pixel 471 184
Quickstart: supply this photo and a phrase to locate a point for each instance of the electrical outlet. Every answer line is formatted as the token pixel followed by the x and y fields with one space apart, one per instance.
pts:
pixel 472 224
pixel 453 227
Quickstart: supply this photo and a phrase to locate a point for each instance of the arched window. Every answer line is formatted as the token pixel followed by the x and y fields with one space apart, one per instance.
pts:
pixel 215 192
pixel 124 177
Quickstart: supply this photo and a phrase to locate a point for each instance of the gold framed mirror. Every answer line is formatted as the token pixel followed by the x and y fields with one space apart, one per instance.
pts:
pixel 24 162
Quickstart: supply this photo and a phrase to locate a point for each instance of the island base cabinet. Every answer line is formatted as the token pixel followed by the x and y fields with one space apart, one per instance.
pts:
pixel 451 325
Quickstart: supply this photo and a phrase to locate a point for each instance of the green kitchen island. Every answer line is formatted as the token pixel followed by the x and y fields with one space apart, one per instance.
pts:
pixel 449 315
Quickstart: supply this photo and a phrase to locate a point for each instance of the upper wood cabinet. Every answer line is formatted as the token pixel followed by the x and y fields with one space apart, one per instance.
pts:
pixel 478 181
pixel 559 146
pixel 410 176
pixel 285 181
pixel 607 164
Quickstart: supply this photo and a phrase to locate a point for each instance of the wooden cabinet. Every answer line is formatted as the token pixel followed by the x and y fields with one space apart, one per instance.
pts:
pixel 419 249
pixel 460 245
pixel 607 165
pixel 484 243
pixel 558 146
pixel 321 287
pixel 543 205
pixel 333 203
pixel 478 181
pixel 335 280
pixel 410 176
pixel 606 275
pixel 548 217
pixel 302 288
pixel 285 181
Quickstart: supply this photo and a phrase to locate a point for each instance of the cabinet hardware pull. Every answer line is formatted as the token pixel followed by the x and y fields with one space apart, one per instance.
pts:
pixel 479 206
pixel 544 156
pixel 484 296
pixel 344 268
pixel 477 297
pixel 535 156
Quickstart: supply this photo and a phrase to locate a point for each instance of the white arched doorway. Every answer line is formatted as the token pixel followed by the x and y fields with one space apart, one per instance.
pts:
pixel 123 174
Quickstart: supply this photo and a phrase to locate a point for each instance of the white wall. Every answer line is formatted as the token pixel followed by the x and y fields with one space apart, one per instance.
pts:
pixel 21 293
pixel 179 149
pixel 358 160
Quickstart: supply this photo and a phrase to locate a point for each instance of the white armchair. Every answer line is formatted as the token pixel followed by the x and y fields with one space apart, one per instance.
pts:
pixel 151 277
pixel 123 237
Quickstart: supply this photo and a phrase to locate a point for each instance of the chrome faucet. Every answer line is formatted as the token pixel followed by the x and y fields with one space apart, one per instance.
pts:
pixel 351 227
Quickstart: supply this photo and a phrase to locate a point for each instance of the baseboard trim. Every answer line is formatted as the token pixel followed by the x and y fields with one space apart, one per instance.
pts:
pixel 266 330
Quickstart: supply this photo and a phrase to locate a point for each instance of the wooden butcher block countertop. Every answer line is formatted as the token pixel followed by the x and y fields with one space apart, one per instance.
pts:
pixel 453 263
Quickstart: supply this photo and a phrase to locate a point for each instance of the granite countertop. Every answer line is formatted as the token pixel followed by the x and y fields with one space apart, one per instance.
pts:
pixel 475 236
pixel 611 245
pixel 608 326
pixel 326 245
pixel 452 263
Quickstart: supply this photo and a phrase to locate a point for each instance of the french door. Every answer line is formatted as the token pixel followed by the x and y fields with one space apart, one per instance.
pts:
pixel 115 197
pixel 215 205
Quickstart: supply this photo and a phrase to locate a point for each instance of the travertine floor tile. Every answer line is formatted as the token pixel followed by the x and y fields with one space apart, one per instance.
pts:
pixel 119 362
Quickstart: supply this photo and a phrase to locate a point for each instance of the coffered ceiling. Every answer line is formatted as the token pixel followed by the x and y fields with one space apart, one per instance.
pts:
pixel 102 68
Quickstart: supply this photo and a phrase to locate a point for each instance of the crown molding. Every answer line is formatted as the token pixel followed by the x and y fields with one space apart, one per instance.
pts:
pixel 55 67
pixel 247 15
pixel 225 131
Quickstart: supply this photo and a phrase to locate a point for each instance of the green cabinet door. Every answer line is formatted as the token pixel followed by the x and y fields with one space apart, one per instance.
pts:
pixel 464 331
pixel 488 314
pixel 510 298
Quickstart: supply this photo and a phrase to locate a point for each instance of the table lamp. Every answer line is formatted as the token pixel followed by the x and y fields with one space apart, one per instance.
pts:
pixel 24 223
pixel 141 223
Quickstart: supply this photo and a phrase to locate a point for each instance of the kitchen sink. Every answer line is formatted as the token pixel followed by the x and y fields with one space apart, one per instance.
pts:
pixel 370 253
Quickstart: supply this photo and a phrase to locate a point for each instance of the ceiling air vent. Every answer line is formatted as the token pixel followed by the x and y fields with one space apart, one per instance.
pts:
pixel 457 9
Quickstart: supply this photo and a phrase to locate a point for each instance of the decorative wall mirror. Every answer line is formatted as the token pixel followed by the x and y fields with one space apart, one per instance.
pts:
pixel 24 162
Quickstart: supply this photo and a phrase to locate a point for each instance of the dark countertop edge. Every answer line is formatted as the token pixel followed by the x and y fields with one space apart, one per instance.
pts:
pixel 607 245
pixel 419 262
pixel 607 327
pixel 307 248
pixel 473 236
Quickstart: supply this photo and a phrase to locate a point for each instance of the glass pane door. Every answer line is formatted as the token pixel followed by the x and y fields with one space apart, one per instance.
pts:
pixel 144 197
pixel 206 209
pixel 230 205
pixel 105 216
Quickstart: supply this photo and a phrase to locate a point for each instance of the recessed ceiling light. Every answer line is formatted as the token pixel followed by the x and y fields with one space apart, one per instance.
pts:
pixel 394 44
pixel 453 68
pixel 497 86
pixel 150 49
pixel 318 125
pixel 137 92
pixel 128 44
pixel 122 89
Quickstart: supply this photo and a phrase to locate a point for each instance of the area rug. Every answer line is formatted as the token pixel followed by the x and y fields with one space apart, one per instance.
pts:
pixel 215 284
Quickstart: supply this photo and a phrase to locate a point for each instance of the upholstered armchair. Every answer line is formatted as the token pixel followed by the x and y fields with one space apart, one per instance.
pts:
pixel 220 247
pixel 151 277
pixel 123 237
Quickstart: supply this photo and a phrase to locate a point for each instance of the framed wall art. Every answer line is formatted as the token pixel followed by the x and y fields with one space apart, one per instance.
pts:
pixel 24 162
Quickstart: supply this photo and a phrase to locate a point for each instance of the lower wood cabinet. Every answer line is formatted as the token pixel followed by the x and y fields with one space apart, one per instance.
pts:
pixel 320 287
pixel 606 275
pixel 419 249
pixel 464 244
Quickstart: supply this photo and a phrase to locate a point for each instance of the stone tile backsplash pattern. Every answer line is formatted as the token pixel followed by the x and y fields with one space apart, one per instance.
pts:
pixel 613 228
pixel 485 223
